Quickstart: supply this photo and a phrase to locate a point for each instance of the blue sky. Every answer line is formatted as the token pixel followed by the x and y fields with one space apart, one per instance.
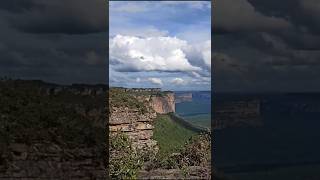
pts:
pixel 164 44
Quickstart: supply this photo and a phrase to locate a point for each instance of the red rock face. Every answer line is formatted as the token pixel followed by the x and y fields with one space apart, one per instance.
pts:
pixel 163 104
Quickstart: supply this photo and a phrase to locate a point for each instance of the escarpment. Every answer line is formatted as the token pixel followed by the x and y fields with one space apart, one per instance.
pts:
pixel 163 104
pixel 132 112
pixel 51 131
pixel 134 124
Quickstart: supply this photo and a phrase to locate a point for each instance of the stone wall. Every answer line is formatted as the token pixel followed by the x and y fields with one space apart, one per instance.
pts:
pixel 49 161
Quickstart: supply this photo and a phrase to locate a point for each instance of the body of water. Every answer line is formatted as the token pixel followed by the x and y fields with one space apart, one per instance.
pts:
pixel 197 111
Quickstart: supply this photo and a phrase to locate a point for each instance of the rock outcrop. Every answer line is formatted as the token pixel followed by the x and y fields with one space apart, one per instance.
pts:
pixel 50 161
pixel 194 172
pixel 135 125
pixel 163 104
pixel 126 106
pixel 237 114
pixel 51 131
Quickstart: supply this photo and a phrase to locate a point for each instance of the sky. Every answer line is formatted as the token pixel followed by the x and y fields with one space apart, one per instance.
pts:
pixel 266 46
pixel 160 44
pixel 258 45
pixel 60 41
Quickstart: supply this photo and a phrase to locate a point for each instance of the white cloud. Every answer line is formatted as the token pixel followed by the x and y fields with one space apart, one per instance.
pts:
pixel 178 81
pixel 206 53
pixel 138 80
pixel 130 53
pixel 156 81
pixel 195 74
pixel 200 55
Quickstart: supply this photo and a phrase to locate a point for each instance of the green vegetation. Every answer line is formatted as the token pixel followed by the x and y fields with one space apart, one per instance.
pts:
pixel 170 136
pixel 179 147
pixel 124 162
pixel 195 152
pixel 27 116
pixel 119 98
pixel 203 120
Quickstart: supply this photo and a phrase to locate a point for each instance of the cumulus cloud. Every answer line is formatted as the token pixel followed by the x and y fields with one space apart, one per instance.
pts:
pixel 178 81
pixel 206 53
pixel 156 81
pixel 200 55
pixel 130 54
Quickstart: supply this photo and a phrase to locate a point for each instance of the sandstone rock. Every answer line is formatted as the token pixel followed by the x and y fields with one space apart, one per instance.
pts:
pixel 163 104
pixel 123 128
pixel 141 135
pixel 144 126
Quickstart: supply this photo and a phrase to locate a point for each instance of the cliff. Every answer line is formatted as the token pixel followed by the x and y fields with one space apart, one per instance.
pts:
pixel 133 111
pixel 137 126
pixel 57 135
pixel 163 104
pixel 50 161
pixel 237 114
pixel 136 116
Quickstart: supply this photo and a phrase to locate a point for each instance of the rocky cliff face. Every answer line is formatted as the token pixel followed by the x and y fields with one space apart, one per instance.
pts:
pixel 237 114
pixel 133 111
pixel 50 161
pixel 163 104
pixel 134 124
pixel 50 135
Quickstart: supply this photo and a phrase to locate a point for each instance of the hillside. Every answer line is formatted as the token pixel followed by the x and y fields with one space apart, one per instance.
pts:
pixel 50 135
pixel 146 142
pixel 170 135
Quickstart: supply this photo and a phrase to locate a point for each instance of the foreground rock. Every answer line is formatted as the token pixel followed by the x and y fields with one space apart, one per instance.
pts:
pixel 191 172
pixel 50 161
pixel 132 112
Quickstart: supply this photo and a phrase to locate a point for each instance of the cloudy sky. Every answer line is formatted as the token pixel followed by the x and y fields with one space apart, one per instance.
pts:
pixel 160 44
pixel 258 45
pixel 266 45
pixel 61 41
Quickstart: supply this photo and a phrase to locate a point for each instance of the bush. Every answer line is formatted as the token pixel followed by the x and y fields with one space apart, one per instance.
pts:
pixel 196 152
pixel 124 161
pixel 120 98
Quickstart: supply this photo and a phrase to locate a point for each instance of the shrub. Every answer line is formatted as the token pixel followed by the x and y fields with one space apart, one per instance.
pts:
pixel 197 151
pixel 124 161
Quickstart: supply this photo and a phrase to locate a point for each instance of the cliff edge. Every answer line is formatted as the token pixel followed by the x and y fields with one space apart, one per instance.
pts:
pixel 132 112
